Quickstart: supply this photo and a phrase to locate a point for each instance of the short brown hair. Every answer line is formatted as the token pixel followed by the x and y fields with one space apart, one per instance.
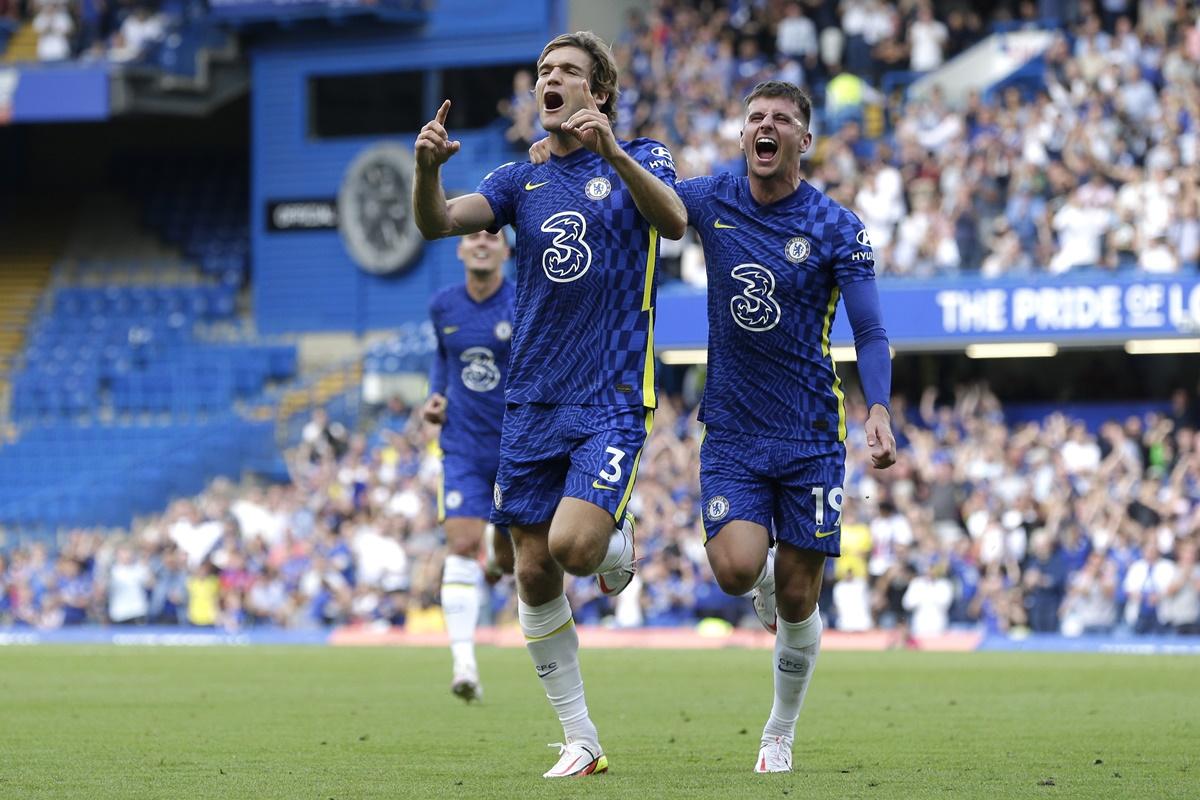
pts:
pixel 784 89
pixel 604 66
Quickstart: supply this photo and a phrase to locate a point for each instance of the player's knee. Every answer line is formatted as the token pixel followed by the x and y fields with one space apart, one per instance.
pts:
pixel 796 601
pixel 533 574
pixel 573 555
pixel 736 577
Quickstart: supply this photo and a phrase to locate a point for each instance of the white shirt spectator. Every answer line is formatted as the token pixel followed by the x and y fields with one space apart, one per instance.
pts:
pixel 797 35
pixel 54 28
pixel 929 600
pixel 1144 578
pixel 886 533
pixel 927 38
pixel 1080 456
pixel 256 521
pixel 1158 257
pixel 1080 231
pixel 197 541
pixel 880 203
pixel 139 30
pixel 127 598
pixel 851 599
pixel 380 560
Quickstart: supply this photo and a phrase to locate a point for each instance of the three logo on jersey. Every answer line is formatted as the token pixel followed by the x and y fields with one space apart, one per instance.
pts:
pixel 755 309
pixel 480 373
pixel 568 257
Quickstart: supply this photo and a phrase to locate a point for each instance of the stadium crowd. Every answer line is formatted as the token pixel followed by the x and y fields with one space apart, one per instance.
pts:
pixel 93 29
pixel 980 525
pixel 1096 165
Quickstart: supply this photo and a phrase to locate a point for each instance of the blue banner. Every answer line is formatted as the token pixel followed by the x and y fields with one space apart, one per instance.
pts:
pixel 1115 644
pixel 54 93
pixel 1079 309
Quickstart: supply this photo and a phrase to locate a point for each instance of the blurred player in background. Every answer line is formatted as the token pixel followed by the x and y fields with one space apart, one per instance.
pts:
pixel 580 389
pixel 779 254
pixel 473 325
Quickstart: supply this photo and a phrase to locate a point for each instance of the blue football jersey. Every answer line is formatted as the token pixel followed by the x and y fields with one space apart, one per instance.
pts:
pixel 471 365
pixel 774 274
pixel 584 324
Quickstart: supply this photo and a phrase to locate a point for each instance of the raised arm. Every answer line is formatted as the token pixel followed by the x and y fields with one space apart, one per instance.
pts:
pixel 656 201
pixel 436 217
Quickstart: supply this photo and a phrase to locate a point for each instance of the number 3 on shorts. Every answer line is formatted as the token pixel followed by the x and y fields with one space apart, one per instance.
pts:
pixel 835 504
pixel 612 473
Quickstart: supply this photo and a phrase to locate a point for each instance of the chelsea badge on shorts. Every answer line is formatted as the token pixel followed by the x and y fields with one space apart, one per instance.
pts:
pixel 453 499
pixel 797 249
pixel 598 188
pixel 717 508
pixel 497 496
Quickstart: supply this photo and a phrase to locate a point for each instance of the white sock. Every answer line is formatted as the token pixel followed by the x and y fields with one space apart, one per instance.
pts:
pixel 554 645
pixel 796 647
pixel 460 607
pixel 620 551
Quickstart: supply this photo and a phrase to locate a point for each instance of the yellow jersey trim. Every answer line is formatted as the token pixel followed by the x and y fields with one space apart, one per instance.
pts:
pixel 649 399
pixel 554 632
pixel 837 382
pixel 637 459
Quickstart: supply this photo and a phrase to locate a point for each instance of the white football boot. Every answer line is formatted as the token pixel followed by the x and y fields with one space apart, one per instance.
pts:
pixel 764 596
pixel 774 755
pixel 576 760
pixel 613 582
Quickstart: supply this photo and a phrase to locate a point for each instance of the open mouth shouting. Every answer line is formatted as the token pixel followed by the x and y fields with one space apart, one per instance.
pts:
pixel 765 150
pixel 552 100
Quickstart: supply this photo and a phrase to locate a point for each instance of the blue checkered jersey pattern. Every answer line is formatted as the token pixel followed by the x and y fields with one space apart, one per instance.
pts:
pixel 774 277
pixel 584 327
pixel 471 364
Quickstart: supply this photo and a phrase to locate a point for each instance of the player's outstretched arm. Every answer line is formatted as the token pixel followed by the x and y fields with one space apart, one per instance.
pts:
pixel 437 217
pixel 656 201
pixel 874 367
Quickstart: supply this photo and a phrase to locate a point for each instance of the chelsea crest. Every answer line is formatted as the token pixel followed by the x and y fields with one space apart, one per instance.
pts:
pixel 797 249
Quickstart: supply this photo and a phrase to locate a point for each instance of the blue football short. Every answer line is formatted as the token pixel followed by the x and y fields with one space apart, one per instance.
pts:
pixel 793 489
pixel 548 452
pixel 466 486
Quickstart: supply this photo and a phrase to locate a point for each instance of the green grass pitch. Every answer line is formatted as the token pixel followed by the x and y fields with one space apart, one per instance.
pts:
pixel 344 723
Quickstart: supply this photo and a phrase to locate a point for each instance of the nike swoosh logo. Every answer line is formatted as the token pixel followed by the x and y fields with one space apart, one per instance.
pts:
pixel 547 672
pixel 793 671
pixel 823 534
pixel 599 485
pixel 529 187
pixel 718 225
pixel 449 329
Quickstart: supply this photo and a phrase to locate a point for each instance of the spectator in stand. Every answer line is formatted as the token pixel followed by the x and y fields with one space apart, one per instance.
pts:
pixel 521 110
pixel 1145 585
pixel 1090 606
pixel 54 28
pixel 927 40
pixel 1045 578
pixel 129 582
pixel 143 28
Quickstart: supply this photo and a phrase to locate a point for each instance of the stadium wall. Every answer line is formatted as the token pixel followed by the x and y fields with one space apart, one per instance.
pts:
pixel 306 280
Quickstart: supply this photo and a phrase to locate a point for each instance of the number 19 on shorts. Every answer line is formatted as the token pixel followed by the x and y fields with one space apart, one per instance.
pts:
pixel 833 497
